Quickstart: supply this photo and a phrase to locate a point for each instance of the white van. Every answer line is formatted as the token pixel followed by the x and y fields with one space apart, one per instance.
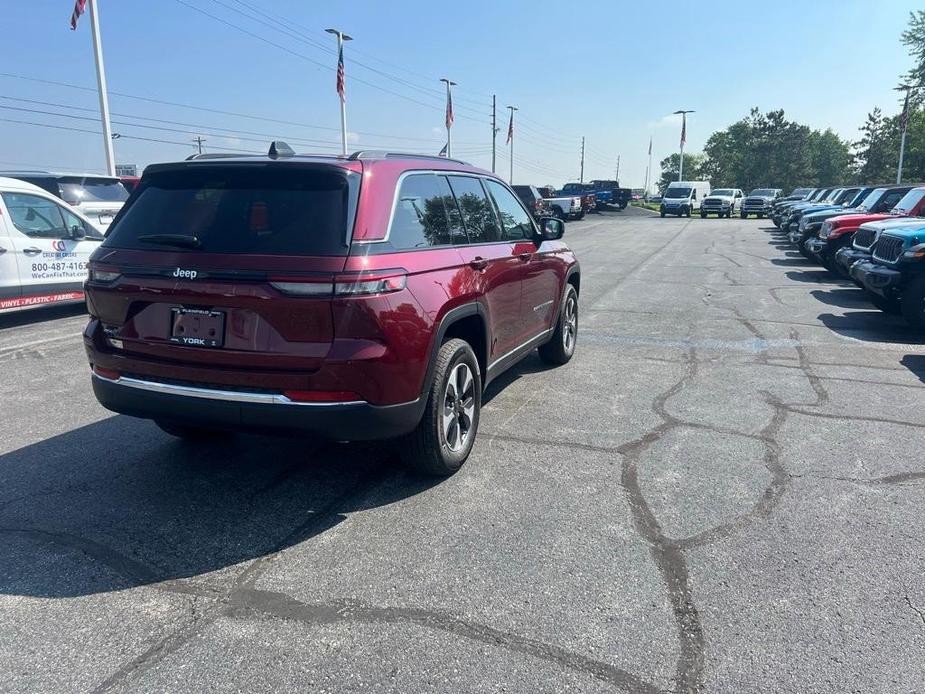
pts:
pixel 97 197
pixel 682 197
pixel 44 247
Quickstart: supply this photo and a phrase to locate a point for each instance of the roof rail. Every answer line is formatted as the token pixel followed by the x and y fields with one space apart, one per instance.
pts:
pixel 215 155
pixel 385 154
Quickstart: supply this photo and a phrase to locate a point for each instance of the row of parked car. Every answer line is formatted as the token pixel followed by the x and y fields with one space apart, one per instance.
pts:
pixel 574 200
pixel 872 235
pixel 683 198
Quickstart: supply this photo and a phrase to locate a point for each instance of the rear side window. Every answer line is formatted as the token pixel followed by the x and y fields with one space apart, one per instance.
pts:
pixel 264 209
pixel 421 217
pixel 515 222
pixel 475 209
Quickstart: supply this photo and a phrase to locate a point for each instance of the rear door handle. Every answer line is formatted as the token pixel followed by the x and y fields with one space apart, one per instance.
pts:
pixel 32 250
pixel 478 263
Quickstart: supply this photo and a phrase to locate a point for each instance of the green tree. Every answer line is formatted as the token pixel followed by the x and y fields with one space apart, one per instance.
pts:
pixel 876 153
pixel 914 39
pixel 767 150
pixel 692 164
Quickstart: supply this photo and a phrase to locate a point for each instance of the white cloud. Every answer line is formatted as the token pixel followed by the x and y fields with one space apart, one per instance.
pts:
pixel 671 120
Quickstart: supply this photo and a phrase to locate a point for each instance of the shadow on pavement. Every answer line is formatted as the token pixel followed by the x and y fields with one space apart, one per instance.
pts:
pixel 871 326
pixel 843 298
pixel 916 364
pixel 819 276
pixel 118 503
pixel 40 315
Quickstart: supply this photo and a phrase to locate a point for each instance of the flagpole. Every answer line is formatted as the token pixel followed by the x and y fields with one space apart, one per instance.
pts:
pixel 648 168
pixel 449 117
pixel 101 88
pixel 511 136
pixel 341 37
pixel 683 140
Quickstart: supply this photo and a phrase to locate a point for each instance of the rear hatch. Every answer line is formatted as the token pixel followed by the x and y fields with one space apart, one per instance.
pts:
pixel 227 264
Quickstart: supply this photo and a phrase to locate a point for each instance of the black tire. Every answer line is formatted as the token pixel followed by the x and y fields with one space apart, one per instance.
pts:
pixel 581 215
pixel 186 432
pixel 761 215
pixel 427 448
pixel 887 305
pixel 743 215
pixel 703 215
pixel 661 213
pixel 561 346
pixel 913 303
pixel 557 211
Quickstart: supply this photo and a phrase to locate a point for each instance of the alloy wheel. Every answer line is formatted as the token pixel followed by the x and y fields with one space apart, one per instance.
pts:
pixel 458 407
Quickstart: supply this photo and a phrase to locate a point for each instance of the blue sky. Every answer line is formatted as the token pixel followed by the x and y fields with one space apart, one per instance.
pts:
pixel 611 71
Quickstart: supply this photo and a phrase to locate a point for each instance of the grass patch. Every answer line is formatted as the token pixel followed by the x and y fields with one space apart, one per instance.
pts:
pixel 654 206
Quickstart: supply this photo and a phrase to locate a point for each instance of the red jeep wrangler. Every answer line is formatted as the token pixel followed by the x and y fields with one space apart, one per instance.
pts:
pixel 364 297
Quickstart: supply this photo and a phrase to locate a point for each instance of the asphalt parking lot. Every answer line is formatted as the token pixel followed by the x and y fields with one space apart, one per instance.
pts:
pixel 722 492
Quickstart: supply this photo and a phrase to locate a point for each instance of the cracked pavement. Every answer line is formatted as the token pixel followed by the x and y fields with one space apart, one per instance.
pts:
pixel 722 492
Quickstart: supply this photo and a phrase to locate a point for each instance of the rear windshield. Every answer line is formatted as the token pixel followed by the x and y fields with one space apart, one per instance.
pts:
pixel 77 190
pixel 256 210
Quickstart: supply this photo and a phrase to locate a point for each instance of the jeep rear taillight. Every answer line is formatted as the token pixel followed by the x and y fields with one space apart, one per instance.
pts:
pixel 343 284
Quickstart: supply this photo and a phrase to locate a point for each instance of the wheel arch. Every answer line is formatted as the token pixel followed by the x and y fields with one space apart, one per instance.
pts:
pixel 468 322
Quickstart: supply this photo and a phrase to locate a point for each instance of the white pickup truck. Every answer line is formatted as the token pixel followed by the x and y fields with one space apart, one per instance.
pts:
pixel 562 206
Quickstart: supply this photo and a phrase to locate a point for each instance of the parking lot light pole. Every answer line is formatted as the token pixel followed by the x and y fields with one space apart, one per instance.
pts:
pixel 341 85
pixel 904 125
pixel 101 89
pixel 683 140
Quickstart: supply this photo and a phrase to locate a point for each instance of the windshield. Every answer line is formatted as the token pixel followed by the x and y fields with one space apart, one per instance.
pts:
pixel 859 197
pixel 724 191
pixel 909 201
pixel 78 190
pixel 763 192
pixel 872 199
pixel 678 193
pixel 255 210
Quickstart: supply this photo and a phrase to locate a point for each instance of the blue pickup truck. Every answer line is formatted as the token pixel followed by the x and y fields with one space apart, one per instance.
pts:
pixel 602 197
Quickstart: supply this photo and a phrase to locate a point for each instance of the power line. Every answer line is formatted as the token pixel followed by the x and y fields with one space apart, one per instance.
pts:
pixel 308 59
pixel 301 33
pixel 198 108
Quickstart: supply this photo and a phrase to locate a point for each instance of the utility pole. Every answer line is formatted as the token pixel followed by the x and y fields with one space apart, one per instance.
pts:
pixel 494 130
pixel 903 124
pixel 648 168
pixel 101 88
pixel 510 139
pixel 199 139
pixel 683 140
pixel 581 174
pixel 449 116
pixel 341 85
pixel 618 169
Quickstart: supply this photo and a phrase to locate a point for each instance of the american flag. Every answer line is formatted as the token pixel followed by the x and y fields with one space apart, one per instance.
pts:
pixel 340 74
pixel 510 130
pixel 449 108
pixel 79 7
pixel 904 118
pixel 683 128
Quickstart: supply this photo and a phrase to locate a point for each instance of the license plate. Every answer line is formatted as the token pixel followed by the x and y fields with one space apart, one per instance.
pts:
pixel 195 327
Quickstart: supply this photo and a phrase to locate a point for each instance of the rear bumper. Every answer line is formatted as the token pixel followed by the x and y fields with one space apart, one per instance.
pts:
pixel 257 412
pixel 876 278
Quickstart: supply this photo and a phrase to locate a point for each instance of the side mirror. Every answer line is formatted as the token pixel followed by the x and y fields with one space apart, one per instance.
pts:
pixel 551 229
pixel 77 232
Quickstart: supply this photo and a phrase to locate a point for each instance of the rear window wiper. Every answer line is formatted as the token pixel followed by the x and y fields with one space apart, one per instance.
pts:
pixel 182 240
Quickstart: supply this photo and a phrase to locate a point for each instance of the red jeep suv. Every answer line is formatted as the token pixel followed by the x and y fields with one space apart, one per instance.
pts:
pixel 364 297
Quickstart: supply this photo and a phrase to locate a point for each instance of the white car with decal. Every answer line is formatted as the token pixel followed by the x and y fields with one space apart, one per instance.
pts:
pixel 44 247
